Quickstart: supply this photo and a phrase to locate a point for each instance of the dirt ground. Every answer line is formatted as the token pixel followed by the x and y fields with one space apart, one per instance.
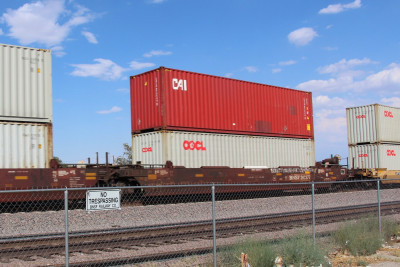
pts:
pixel 387 256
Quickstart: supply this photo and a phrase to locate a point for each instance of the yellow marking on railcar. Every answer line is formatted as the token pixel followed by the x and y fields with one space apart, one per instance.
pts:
pixel 9 185
pixel 333 177
pixel 152 176
pixel 279 174
pixel 330 172
pixel 21 177
pixel 91 176
pixel 241 174
pixel 199 175
pixel 307 172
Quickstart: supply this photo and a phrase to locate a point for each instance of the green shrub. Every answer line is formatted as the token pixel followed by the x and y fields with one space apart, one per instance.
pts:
pixel 362 237
pixel 299 250
pixel 389 228
pixel 260 254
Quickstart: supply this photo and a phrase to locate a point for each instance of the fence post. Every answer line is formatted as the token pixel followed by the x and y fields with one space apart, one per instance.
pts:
pixel 379 206
pixel 313 211
pixel 66 227
pixel 214 226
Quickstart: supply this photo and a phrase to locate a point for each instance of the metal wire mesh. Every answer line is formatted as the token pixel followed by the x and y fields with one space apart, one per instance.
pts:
pixel 175 224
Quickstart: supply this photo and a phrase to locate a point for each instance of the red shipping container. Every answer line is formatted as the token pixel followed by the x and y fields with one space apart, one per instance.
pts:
pixel 172 99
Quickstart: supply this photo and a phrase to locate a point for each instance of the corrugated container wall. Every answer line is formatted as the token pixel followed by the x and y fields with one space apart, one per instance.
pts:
pixel 172 99
pixel 25 145
pixel 25 84
pixel 372 156
pixel 373 124
pixel 195 149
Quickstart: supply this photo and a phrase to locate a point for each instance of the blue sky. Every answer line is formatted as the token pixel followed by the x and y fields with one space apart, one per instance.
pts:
pixel 346 52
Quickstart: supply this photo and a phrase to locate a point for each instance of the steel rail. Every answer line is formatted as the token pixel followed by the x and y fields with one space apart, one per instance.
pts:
pixel 29 246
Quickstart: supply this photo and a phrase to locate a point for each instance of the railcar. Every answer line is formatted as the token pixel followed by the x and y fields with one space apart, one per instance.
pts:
pixel 140 175
pixel 100 175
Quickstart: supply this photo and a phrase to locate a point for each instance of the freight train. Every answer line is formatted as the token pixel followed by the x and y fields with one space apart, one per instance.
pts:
pixel 100 175
pixel 203 129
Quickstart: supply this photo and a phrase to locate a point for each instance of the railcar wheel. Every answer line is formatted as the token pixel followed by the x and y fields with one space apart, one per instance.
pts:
pixel 131 193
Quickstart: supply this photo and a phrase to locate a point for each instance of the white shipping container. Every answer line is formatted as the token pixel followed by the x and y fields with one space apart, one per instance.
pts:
pixel 194 149
pixel 25 145
pixel 372 156
pixel 373 124
pixel 25 84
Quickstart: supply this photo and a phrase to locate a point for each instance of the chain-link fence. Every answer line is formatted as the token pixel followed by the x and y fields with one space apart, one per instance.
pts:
pixel 180 224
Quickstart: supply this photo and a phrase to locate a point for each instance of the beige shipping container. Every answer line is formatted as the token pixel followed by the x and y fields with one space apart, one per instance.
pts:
pixel 373 124
pixel 25 145
pixel 195 149
pixel 25 84
pixel 373 156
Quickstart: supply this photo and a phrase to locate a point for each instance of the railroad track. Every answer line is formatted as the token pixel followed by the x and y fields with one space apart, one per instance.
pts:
pixel 27 247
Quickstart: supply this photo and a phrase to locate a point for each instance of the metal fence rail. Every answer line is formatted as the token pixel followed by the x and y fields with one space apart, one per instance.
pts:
pixel 62 227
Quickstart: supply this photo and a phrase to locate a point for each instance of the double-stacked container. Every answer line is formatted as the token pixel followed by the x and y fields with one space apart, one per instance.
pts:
pixel 26 113
pixel 374 137
pixel 196 120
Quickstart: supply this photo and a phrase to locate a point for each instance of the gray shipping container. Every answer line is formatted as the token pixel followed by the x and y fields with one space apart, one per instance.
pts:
pixel 25 84
pixel 195 149
pixel 373 124
pixel 25 145
pixel 373 156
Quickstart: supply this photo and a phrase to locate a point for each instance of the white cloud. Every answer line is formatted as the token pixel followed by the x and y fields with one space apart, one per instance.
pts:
pixel 157 53
pixel 156 1
pixel 90 37
pixel 330 118
pixel 337 8
pixel 229 75
pixel 104 69
pixel 331 48
pixel 58 51
pixel 332 128
pixel 1 32
pixel 302 36
pixel 251 68
pixel 287 63
pixel 393 101
pixel 388 79
pixel 323 101
pixel 40 21
pixel 346 79
pixel 276 70
pixel 111 110
pixel 344 65
pixel 135 65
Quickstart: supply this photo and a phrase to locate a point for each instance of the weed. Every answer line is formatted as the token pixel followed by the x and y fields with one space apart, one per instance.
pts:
pixel 260 254
pixel 300 250
pixel 362 237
